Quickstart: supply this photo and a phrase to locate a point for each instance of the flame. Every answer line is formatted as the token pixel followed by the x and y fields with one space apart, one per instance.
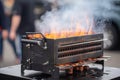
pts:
pixel 78 30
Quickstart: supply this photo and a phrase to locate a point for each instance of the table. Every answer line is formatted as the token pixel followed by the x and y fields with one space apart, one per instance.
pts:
pixel 14 73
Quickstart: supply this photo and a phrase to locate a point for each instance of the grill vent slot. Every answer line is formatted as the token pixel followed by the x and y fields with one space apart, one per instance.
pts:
pixel 79 48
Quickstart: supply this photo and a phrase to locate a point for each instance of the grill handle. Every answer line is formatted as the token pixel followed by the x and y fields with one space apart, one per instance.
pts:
pixel 41 43
pixel 43 37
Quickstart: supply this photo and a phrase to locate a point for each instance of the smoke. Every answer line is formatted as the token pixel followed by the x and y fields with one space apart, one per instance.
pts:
pixel 72 13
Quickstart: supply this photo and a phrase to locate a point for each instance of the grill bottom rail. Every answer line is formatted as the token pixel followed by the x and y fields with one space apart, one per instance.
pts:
pixel 80 69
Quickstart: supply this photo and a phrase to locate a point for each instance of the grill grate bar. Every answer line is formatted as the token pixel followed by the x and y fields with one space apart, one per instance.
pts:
pixel 80 49
pixel 73 55
pixel 82 43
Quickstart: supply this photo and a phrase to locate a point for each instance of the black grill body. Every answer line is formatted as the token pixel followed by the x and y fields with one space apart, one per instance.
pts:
pixel 44 55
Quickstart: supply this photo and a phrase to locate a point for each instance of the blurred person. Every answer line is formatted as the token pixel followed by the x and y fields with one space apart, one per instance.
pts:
pixel 8 4
pixel 23 19
pixel 3 29
pixel 54 5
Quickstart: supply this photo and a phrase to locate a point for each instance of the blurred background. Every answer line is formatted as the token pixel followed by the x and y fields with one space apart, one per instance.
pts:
pixel 111 31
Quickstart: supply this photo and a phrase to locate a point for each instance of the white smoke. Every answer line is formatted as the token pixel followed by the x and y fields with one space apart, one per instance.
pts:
pixel 75 12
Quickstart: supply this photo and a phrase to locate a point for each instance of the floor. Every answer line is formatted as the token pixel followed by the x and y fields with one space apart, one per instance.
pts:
pixel 9 57
pixel 114 60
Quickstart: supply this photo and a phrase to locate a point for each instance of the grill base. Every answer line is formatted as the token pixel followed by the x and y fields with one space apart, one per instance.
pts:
pixel 110 73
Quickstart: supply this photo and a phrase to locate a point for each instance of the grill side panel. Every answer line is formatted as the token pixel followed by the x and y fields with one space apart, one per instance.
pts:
pixel 34 57
pixel 79 48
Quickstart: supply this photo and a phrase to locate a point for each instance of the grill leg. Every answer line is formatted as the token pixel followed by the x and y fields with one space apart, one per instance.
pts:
pixel 102 63
pixel 54 74
pixel 22 70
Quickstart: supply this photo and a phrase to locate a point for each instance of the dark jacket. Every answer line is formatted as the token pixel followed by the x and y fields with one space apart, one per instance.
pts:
pixel 25 9
pixel 2 17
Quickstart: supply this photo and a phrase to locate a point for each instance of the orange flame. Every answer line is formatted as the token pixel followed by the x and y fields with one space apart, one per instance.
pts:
pixel 79 30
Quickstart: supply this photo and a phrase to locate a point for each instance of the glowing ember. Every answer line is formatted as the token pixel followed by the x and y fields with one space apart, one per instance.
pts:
pixel 65 33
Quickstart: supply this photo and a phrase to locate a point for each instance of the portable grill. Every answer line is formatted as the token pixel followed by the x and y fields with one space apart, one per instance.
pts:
pixel 50 55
